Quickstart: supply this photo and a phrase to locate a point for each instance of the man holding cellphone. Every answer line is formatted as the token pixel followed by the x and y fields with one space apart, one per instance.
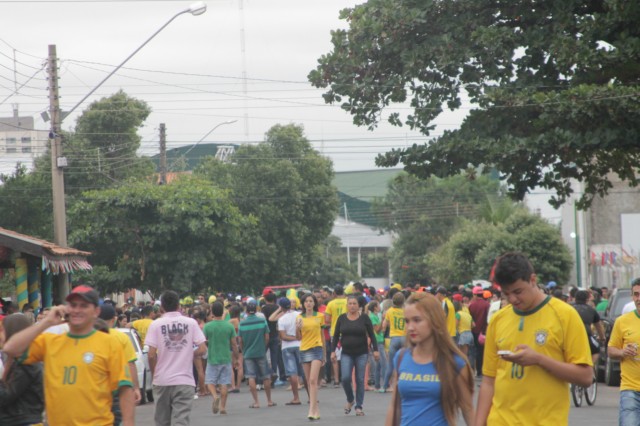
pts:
pixel 82 368
pixel 533 349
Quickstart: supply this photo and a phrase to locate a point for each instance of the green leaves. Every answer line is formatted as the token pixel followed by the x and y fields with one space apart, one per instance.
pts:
pixel 186 236
pixel 554 82
pixel 286 186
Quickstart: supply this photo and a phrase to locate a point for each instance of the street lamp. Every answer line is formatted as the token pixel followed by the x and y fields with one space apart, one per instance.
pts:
pixel 57 161
pixel 195 9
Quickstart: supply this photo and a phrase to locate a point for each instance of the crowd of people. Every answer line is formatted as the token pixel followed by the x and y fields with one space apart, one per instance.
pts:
pixel 422 345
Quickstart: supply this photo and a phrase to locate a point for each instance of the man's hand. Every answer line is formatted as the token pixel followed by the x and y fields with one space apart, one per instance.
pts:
pixel 55 316
pixel 376 355
pixel 523 355
pixel 630 350
pixel 137 396
pixel 333 356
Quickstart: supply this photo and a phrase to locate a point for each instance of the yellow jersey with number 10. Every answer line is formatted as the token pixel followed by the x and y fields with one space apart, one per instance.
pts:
pixel 80 375
pixel 395 318
pixel 531 395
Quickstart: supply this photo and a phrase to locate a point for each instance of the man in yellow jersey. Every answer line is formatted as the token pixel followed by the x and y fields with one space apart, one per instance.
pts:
pixel 142 325
pixel 335 308
pixel 449 311
pixel 394 319
pixel 623 345
pixel 82 368
pixel 533 349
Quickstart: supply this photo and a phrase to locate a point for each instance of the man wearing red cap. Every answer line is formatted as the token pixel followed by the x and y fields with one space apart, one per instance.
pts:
pixel 81 368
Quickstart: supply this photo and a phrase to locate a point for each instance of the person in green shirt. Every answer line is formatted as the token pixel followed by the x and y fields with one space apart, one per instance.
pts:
pixel 223 350
pixel 378 367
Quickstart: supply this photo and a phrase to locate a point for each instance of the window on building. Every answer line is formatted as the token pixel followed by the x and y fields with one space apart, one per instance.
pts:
pixel 26 149
pixel 26 140
pixel 11 141
pixel 11 150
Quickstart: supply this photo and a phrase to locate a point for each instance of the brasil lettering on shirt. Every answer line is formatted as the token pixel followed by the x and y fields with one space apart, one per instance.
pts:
pixel 410 377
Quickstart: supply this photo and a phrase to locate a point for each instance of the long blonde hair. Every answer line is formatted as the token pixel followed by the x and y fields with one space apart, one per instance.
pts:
pixel 444 356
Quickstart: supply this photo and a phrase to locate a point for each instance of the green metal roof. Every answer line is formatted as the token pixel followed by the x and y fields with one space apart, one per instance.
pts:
pixel 194 155
pixel 365 185
pixel 358 189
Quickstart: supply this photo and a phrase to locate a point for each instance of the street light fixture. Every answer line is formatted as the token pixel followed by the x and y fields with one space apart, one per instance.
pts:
pixel 195 9
pixel 57 171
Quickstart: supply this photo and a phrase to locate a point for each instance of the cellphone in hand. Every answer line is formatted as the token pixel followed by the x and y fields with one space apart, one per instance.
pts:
pixel 505 353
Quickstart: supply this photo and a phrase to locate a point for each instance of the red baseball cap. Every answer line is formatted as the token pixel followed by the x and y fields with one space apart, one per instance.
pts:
pixel 86 293
pixel 457 297
pixel 477 290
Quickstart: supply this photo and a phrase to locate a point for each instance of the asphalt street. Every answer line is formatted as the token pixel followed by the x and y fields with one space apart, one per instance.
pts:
pixel 332 401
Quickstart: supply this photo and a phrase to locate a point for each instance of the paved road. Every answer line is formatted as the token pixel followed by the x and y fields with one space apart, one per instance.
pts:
pixel 603 413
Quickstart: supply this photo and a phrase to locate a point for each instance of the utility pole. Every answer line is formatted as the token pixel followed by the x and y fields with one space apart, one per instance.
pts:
pixel 57 164
pixel 163 154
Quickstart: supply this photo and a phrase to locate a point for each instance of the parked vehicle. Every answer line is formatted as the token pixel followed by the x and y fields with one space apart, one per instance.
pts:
pixel 609 369
pixel 142 365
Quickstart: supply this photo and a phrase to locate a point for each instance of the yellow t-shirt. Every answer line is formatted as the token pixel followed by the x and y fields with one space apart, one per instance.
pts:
pixel 627 330
pixel 465 321
pixel 530 395
pixel 335 308
pixel 395 318
pixel 80 375
pixel 311 331
pixel 141 326
pixel 451 317
pixel 125 342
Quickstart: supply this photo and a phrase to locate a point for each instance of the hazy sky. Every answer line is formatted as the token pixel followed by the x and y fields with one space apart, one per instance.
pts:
pixel 191 74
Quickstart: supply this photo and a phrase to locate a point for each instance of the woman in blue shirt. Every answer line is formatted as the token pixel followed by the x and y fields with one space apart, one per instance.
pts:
pixel 434 378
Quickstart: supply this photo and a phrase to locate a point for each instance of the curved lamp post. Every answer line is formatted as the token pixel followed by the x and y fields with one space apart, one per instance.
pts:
pixel 57 171
pixel 195 9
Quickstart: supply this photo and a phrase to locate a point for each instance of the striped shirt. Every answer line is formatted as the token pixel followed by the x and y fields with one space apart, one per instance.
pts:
pixel 252 331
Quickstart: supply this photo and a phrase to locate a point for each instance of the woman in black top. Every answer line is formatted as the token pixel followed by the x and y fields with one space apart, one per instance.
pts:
pixel 21 388
pixel 355 333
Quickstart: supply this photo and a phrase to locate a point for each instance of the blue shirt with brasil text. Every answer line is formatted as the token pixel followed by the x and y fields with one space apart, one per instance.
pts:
pixel 252 331
pixel 419 387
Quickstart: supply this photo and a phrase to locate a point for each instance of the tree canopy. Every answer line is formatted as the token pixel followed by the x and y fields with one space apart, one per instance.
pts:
pixel 424 213
pixel 101 153
pixel 286 185
pixel 553 86
pixel 185 236
pixel 472 250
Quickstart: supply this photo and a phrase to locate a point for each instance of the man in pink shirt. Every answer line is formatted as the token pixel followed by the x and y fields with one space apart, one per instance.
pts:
pixel 173 342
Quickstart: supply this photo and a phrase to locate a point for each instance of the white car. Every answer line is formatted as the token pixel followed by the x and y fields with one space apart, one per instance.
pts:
pixel 142 365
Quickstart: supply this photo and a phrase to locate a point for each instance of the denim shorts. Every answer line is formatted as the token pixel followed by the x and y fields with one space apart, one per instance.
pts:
pixel 465 338
pixel 257 368
pixel 312 354
pixel 218 374
pixel 629 408
pixel 291 360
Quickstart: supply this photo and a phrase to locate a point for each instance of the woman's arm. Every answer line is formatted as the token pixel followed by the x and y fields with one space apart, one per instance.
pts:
pixel 466 396
pixel 336 335
pixel 392 404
